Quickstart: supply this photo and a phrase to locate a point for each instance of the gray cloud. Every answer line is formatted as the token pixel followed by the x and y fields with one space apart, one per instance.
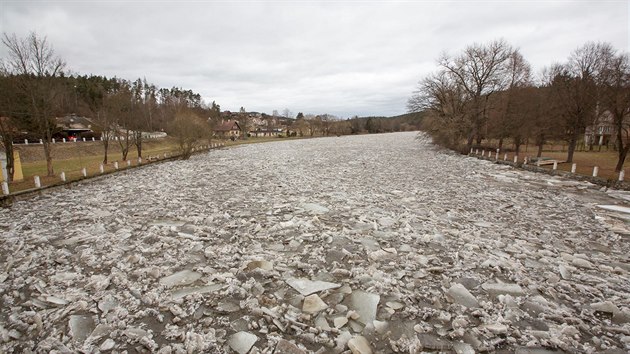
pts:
pixel 343 58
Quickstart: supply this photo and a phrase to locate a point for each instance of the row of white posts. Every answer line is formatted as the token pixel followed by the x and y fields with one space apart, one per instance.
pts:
pixel 101 168
pixel 54 141
pixel 63 140
pixel 622 174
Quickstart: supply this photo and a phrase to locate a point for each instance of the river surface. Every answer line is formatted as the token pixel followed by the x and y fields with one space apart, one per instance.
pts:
pixel 375 243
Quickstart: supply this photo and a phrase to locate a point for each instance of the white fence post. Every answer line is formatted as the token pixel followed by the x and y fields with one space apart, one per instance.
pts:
pixel 101 168
pixel 64 140
pixel 573 168
pixel 128 163
pixel 622 175
pixel 38 183
pixel 41 141
pixel 93 139
pixel 25 141
pixel 555 165
pixel 505 157
pixel 139 160
pixel 84 171
pixel 62 175
pixel 595 171
pixel 116 164
pixel 515 158
pixel 53 140
pixel 5 188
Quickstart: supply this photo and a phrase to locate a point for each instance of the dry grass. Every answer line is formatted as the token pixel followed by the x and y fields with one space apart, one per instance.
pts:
pixel 81 155
pixel 585 160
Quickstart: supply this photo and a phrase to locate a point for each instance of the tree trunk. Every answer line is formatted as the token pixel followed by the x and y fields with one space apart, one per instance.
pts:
pixel 105 148
pixel 8 146
pixel 622 151
pixel 571 148
pixel 622 158
pixel 139 143
pixel 540 141
pixel 48 155
pixel 124 153
pixel 501 143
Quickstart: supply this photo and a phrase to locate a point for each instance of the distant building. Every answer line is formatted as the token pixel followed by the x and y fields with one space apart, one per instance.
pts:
pixel 228 129
pixel 264 132
pixel 72 126
pixel 603 132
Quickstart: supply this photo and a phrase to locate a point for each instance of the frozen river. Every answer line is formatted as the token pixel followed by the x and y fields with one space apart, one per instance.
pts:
pixel 365 243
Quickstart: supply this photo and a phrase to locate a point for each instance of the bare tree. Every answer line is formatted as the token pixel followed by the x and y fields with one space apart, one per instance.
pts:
pixel 37 69
pixel 510 104
pixel 188 128
pixel 615 99
pixel 7 121
pixel 120 109
pixel 245 122
pixel 576 89
pixel 444 101
pixel 480 71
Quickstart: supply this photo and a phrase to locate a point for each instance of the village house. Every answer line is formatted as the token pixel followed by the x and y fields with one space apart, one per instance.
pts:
pixel 228 129
pixel 265 132
pixel 603 132
pixel 71 126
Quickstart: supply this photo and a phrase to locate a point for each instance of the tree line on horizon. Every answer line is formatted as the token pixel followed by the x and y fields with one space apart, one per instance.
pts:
pixel 488 91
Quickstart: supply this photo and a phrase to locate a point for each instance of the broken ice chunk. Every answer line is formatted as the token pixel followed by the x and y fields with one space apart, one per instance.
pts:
pixel 340 321
pixel 264 265
pixel 107 304
pixel 180 293
pixel 183 277
pixel 365 304
pixel 56 300
pixel 307 287
pixel 582 263
pixel 108 344
pixel 80 327
pixel 564 272
pixel 359 345
pixel 315 208
pixel 617 208
pixel 503 288
pixel 459 294
pixel 167 223
pixel 605 306
pixel 313 304
pixel 322 323
pixel 383 254
pixel 242 342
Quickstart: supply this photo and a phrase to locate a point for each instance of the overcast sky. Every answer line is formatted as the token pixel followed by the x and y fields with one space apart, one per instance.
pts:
pixel 337 57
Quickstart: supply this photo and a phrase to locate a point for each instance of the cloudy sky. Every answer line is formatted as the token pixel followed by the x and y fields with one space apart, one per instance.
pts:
pixel 337 57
